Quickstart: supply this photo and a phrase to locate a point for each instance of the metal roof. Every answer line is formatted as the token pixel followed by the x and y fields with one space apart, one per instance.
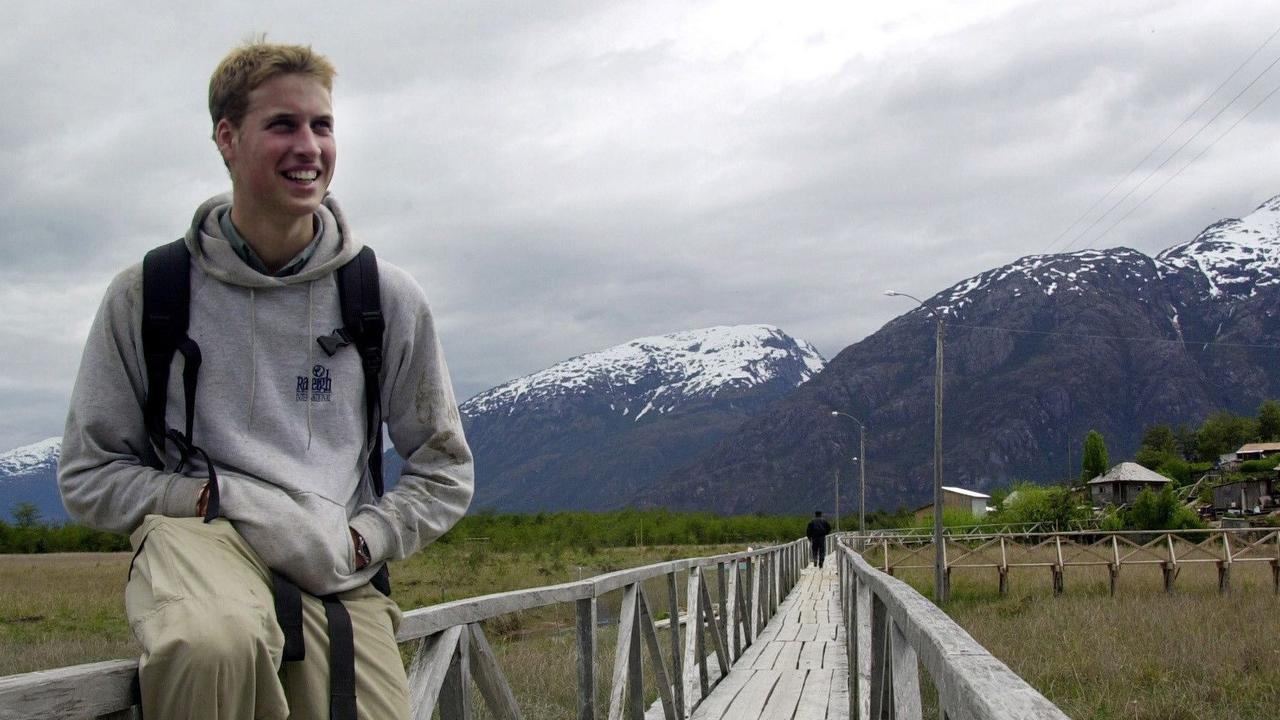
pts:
pixel 1129 472
pixel 962 491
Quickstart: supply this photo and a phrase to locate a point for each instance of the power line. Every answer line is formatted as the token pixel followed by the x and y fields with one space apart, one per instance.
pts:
pixel 1172 155
pixel 1200 154
pixel 1092 336
pixel 1166 139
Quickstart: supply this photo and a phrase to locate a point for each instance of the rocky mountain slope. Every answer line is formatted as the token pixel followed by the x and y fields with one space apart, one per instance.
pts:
pixel 1037 352
pixel 592 431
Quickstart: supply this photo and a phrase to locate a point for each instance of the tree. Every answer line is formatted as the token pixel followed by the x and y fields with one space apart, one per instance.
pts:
pixel 1095 461
pixel 1159 447
pixel 1224 432
pixel 1269 421
pixel 26 514
pixel 1160 511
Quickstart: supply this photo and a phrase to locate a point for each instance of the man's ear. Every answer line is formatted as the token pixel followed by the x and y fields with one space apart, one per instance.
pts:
pixel 224 134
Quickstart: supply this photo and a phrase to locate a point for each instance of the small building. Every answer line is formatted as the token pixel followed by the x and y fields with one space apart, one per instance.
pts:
pixel 954 498
pixel 1123 483
pixel 1257 451
pixel 1243 495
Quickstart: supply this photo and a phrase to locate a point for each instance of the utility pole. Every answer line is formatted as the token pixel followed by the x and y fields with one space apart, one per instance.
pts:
pixel 941 591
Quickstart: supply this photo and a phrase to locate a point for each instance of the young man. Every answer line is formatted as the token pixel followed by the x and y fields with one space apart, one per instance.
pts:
pixel 279 444
pixel 817 531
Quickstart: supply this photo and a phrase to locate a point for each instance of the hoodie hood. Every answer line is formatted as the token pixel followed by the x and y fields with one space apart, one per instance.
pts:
pixel 213 253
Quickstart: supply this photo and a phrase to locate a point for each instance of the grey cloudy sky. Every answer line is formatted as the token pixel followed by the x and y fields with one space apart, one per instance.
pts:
pixel 564 176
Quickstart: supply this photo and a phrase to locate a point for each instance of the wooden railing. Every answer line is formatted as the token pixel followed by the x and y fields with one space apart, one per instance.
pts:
pixel 891 630
pixel 451 652
pixel 1170 551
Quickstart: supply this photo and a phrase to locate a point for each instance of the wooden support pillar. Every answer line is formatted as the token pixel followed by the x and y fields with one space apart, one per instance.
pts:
pixel 906 676
pixel 723 606
pixel 1224 577
pixel 1113 570
pixel 1169 572
pixel 1059 581
pixel 677 665
pixel 635 669
pixel 1004 581
pixel 586 624
pixel 881 685
pixel 861 634
pixel 1275 576
pixel 455 695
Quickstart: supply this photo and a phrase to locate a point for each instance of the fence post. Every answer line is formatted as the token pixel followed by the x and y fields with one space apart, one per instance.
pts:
pixel 881 681
pixel 677 657
pixel 906 676
pixel 723 627
pixel 587 612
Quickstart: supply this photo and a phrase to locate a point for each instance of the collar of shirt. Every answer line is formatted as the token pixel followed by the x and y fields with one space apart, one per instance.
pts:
pixel 251 258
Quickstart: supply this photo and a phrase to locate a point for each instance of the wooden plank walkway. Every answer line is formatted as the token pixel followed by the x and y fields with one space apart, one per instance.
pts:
pixel 796 669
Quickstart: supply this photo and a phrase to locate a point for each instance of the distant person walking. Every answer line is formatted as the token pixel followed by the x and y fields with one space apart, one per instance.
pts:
pixel 817 533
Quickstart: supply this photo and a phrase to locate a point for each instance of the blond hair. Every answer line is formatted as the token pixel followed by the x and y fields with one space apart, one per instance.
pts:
pixel 254 63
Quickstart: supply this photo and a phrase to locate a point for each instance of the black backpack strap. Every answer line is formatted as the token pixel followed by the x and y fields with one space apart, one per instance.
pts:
pixel 166 312
pixel 166 303
pixel 342 660
pixel 288 601
pixel 364 326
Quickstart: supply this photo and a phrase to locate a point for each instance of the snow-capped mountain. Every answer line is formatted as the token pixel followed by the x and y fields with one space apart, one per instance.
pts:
pixel 29 474
pixel 30 459
pixel 658 374
pixel 1237 257
pixel 591 431
pixel 1037 352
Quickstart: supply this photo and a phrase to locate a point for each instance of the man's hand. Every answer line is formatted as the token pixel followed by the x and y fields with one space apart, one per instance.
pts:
pixel 361 548
pixel 203 503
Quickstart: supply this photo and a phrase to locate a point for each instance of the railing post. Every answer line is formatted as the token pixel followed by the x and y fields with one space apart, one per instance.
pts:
pixel 587 614
pixel 677 664
pixel 695 661
pixel 455 696
pixel 881 685
pixel 723 627
pixel 861 634
pixel 753 571
pixel 906 676
pixel 635 670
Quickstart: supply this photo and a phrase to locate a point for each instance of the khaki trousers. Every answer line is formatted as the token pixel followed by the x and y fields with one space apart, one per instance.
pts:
pixel 199 601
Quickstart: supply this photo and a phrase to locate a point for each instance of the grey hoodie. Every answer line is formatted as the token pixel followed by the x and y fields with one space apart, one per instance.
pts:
pixel 282 421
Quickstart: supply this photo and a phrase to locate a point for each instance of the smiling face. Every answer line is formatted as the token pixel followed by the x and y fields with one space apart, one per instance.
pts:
pixel 281 155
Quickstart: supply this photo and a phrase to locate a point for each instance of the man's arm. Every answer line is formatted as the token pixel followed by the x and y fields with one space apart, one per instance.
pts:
pixel 437 481
pixel 104 472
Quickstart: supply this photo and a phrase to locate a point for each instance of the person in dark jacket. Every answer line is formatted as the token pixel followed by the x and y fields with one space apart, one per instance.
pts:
pixel 817 533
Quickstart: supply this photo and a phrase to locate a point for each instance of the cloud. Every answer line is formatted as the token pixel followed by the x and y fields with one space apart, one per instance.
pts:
pixel 565 176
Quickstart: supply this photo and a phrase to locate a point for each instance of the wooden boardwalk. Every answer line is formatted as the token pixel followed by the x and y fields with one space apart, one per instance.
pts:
pixel 796 669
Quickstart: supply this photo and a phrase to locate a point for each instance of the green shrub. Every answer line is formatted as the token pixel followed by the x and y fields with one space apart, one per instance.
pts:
pixel 1263 465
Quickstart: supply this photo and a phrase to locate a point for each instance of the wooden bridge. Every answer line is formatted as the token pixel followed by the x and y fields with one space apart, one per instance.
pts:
pixel 759 635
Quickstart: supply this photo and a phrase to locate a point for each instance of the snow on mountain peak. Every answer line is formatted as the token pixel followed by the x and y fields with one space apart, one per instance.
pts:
pixel 1236 255
pixel 30 457
pixel 666 368
pixel 1063 272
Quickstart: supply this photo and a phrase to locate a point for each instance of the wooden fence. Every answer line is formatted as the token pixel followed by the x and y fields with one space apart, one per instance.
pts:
pixel 891 630
pixel 451 653
pixel 1170 551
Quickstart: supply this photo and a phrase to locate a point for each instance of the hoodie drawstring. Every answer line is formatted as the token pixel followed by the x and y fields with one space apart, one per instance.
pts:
pixel 253 353
pixel 311 346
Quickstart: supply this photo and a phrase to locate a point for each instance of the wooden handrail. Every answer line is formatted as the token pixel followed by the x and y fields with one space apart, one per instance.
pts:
pixel 451 650
pixel 889 626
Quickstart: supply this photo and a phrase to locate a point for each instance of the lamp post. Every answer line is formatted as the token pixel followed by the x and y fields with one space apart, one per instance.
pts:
pixel 862 473
pixel 941 591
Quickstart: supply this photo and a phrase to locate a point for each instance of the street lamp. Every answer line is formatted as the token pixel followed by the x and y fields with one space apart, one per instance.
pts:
pixel 862 473
pixel 941 590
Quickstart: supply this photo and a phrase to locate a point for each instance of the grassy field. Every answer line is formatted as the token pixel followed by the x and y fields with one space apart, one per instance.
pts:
pixel 1141 655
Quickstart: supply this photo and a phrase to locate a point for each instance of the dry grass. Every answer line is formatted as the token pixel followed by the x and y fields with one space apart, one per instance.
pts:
pixel 1142 655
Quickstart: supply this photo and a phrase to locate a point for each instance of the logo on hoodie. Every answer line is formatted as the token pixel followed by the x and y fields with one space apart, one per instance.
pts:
pixel 317 388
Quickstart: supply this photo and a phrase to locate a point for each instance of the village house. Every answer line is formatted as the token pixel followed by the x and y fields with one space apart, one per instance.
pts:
pixel 1257 451
pixel 1123 483
pixel 1244 495
pixel 954 498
